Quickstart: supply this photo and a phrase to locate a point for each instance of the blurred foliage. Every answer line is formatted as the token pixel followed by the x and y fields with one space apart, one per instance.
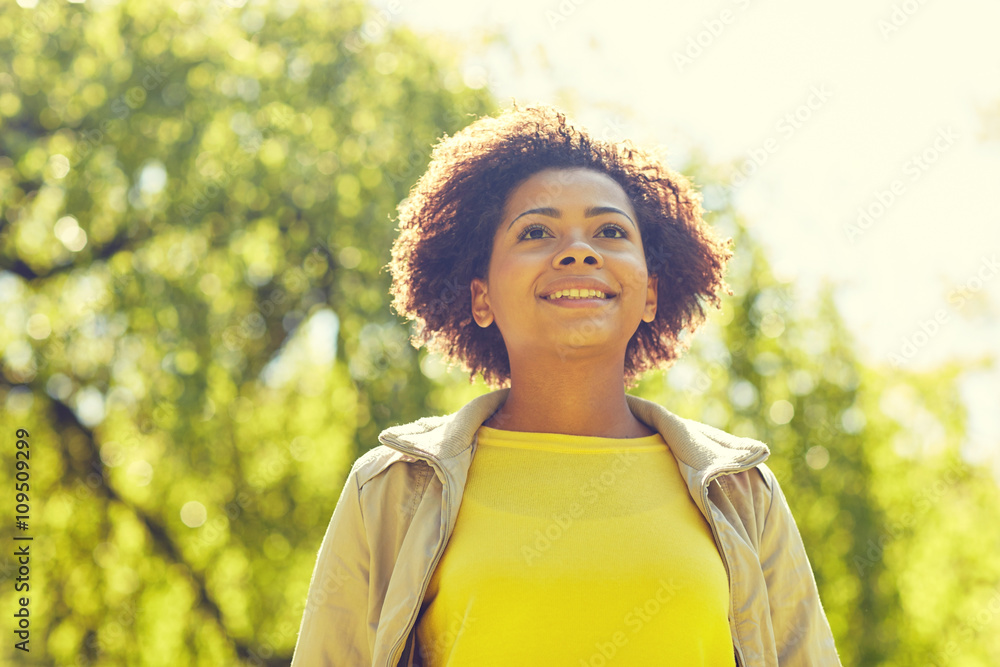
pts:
pixel 901 531
pixel 196 208
pixel 197 201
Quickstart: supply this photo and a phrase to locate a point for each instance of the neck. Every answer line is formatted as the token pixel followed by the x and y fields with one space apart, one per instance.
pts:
pixel 575 399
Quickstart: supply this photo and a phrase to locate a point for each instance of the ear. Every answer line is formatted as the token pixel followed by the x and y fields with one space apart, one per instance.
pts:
pixel 481 310
pixel 649 313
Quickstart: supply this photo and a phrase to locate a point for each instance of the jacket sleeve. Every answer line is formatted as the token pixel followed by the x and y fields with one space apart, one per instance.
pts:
pixel 334 628
pixel 802 633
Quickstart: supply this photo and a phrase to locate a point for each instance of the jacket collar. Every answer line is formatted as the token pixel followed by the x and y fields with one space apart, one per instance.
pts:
pixel 704 450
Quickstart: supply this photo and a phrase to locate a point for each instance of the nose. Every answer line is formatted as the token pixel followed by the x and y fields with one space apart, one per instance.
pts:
pixel 578 251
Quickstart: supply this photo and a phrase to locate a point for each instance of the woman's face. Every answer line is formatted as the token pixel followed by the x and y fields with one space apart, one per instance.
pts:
pixel 566 229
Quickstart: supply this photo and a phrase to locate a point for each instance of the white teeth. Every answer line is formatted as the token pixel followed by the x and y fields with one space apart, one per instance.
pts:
pixel 577 294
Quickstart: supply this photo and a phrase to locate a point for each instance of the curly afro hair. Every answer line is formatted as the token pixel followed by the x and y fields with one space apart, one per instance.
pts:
pixel 448 222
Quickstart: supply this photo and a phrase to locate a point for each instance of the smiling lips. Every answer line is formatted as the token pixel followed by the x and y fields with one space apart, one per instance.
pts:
pixel 577 294
pixel 579 298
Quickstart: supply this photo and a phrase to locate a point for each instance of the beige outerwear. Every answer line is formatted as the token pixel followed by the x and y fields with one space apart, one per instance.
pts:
pixel 400 502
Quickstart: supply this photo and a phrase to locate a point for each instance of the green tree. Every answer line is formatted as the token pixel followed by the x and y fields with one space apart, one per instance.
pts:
pixel 902 533
pixel 196 205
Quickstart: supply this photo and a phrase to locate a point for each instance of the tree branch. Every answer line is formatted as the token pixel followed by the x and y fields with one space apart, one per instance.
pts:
pixel 66 418
pixel 121 241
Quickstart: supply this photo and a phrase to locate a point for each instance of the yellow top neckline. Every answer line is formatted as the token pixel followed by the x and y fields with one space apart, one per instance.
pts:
pixel 563 442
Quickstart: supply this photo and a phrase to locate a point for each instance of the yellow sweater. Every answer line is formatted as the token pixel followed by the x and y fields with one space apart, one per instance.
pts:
pixel 578 551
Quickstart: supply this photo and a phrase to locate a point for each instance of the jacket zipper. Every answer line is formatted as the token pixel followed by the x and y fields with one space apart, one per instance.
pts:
pixel 397 649
pixel 741 660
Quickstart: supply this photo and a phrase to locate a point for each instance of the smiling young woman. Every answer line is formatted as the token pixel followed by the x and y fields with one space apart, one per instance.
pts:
pixel 558 519
pixel 566 353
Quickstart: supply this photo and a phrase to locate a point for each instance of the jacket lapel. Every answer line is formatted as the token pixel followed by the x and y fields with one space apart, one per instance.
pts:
pixel 448 444
pixel 702 451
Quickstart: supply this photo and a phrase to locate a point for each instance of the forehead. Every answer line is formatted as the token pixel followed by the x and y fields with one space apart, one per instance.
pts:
pixel 566 188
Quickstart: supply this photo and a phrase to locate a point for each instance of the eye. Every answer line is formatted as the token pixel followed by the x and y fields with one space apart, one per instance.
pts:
pixel 535 227
pixel 616 228
pixel 529 229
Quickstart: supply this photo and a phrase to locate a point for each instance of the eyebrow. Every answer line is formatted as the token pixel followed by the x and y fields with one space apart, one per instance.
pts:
pixel 591 212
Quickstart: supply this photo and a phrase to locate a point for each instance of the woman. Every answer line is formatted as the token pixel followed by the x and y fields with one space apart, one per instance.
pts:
pixel 558 520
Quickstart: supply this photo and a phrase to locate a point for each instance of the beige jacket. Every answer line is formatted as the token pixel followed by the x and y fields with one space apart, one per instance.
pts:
pixel 401 500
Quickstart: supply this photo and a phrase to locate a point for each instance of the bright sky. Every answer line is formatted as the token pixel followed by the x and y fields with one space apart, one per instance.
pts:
pixel 845 106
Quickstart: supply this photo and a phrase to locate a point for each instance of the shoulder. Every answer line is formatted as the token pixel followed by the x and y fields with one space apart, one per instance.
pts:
pixel 767 476
pixel 752 489
pixel 729 451
pixel 376 461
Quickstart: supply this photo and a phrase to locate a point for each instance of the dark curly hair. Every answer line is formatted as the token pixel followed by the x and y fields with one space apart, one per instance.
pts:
pixel 448 222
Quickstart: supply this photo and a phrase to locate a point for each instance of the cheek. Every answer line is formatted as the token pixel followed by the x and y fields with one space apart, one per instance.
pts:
pixel 513 270
pixel 635 275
